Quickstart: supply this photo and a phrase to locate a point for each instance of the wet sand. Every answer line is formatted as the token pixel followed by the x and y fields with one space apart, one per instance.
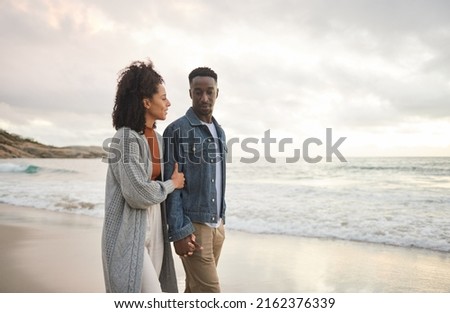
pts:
pixel 43 251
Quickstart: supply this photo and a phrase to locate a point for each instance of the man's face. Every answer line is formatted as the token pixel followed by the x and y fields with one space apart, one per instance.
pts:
pixel 203 93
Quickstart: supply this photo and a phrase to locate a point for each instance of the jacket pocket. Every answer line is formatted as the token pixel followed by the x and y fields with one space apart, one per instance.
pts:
pixel 194 153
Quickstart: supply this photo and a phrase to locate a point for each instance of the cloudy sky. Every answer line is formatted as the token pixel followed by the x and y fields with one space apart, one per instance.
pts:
pixel 376 72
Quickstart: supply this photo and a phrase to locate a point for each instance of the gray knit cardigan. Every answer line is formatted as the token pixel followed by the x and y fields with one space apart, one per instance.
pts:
pixel 129 192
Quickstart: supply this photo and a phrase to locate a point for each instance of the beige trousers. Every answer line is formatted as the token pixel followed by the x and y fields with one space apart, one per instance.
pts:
pixel 201 267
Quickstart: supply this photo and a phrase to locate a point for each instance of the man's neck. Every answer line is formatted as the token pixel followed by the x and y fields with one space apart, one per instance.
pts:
pixel 205 118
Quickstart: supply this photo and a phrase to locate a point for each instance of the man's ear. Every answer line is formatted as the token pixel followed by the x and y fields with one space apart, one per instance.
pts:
pixel 217 93
pixel 190 93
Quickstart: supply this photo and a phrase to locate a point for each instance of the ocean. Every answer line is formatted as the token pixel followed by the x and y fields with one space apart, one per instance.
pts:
pixel 396 201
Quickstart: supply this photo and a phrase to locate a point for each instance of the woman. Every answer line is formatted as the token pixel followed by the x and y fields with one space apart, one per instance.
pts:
pixel 135 249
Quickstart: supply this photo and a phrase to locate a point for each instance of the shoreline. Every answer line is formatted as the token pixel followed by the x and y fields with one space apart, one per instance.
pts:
pixel 46 251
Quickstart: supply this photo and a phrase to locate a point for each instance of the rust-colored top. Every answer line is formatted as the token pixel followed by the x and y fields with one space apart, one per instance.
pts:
pixel 154 152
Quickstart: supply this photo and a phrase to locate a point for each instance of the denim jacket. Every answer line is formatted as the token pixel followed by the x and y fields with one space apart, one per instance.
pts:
pixel 190 143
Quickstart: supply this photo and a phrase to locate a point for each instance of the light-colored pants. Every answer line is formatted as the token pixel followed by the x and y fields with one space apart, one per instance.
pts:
pixel 201 267
pixel 154 251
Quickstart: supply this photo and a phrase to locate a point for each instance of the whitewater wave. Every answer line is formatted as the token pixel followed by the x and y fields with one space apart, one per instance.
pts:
pixel 19 168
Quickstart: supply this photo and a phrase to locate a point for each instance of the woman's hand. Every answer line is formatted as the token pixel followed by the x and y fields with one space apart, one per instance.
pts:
pixel 187 246
pixel 177 178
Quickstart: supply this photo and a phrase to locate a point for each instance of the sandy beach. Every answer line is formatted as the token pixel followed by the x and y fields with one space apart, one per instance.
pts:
pixel 45 251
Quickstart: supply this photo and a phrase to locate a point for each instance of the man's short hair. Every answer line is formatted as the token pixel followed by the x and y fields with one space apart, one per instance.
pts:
pixel 202 71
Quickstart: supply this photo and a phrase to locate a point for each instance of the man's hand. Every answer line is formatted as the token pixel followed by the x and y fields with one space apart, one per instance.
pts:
pixel 185 247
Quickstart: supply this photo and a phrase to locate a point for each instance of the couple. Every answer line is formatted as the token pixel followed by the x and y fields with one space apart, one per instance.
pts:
pixel 157 193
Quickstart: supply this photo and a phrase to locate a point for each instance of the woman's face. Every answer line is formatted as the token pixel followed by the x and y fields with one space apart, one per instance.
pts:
pixel 159 104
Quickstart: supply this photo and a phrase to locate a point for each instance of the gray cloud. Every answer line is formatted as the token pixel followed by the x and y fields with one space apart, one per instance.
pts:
pixel 284 65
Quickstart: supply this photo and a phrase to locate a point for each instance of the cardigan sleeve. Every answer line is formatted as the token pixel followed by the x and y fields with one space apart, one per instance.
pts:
pixel 130 169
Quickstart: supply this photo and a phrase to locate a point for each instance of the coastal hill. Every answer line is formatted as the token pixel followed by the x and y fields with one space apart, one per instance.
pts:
pixel 15 146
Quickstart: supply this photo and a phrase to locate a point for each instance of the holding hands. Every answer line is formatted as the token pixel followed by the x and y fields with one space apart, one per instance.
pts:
pixel 185 247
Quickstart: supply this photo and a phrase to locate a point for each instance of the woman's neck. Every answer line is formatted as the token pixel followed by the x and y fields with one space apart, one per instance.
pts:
pixel 150 123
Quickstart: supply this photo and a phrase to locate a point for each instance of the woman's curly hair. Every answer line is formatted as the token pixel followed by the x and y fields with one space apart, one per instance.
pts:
pixel 135 82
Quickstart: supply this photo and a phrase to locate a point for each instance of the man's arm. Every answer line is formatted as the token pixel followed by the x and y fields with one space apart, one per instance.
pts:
pixel 180 226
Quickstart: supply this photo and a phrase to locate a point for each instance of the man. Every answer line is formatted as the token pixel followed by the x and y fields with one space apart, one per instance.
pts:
pixel 196 214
